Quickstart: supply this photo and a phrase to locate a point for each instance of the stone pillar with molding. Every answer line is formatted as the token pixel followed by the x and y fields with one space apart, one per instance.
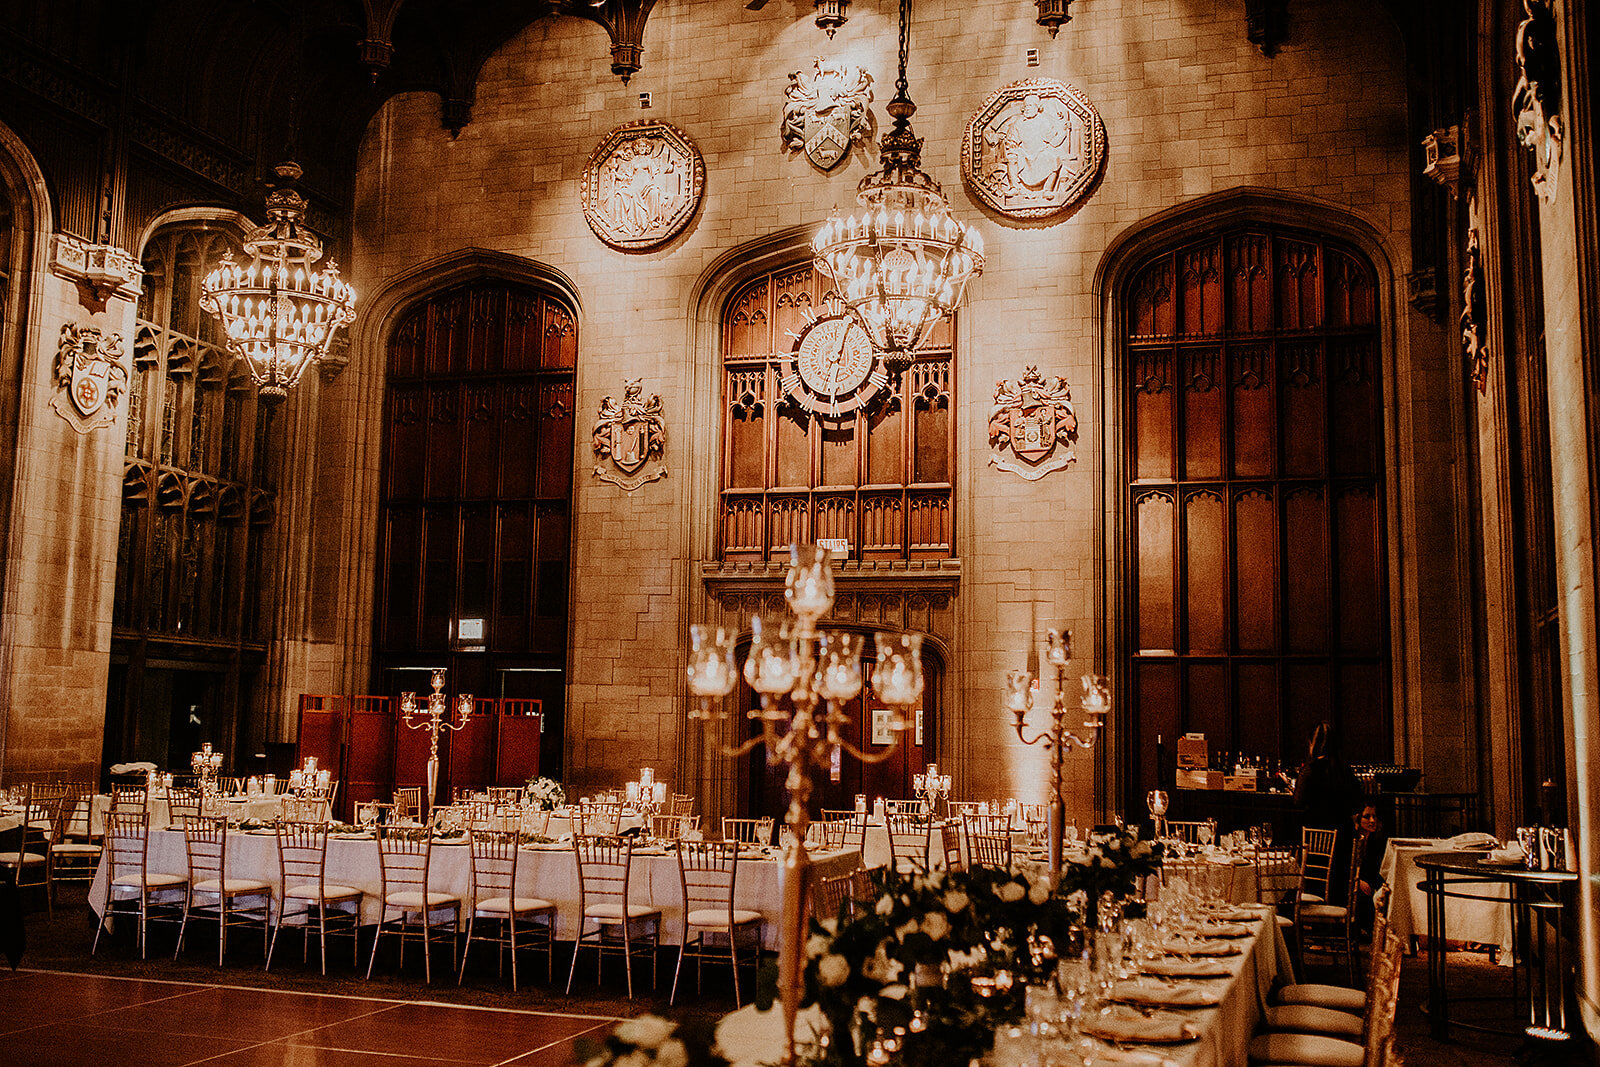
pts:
pixel 61 556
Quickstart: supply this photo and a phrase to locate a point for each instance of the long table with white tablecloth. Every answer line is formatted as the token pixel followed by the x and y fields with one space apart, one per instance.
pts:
pixel 1482 922
pixel 549 872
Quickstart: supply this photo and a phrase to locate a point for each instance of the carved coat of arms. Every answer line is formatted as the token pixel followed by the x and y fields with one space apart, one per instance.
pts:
pixel 642 185
pixel 1033 149
pixel 628 434
pixel 825 112
pixel 1035 422
pixel 90 376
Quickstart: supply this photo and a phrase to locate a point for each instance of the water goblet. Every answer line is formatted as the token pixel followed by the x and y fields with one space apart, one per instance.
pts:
pixel 1266 835
pixel 1207 832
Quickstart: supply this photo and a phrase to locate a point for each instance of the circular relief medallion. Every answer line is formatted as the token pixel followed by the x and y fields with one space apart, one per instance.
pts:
pixel 1033 149
pixel 832 370
pixel 642 185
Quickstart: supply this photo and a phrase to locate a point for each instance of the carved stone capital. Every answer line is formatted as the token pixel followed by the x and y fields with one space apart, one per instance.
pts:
pixel 106 269
pixel 1422 289
pixel 1445 154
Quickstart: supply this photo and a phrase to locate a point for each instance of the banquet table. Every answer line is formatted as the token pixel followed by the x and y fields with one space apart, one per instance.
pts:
pixel 750 1037
pixel 1482 922
pixel 549 872
pixel 262 807
pixel 1232 874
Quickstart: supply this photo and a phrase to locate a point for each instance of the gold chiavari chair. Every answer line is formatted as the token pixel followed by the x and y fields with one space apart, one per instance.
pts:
pixel 673 827
pixel 408 802
pixel 212 894
pixel 154 896
pixel 183 802
pixel 494 901
pixel 605 871
pixel 682 804
pixel 709 871
pixel 130 798
pixel 411 909
pixel 303 884
pixel 1323 918
pixel 832 899
pixel 910 840
pixel 73 857
pixel 945 839
pixel 29 865
pixel 748 831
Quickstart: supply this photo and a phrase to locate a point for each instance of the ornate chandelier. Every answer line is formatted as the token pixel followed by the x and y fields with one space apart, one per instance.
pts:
pixel 279 314
pixel 903 263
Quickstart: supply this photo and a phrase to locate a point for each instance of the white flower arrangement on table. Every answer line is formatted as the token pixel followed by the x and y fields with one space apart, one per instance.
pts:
pixel 651 1041
pixel 545 792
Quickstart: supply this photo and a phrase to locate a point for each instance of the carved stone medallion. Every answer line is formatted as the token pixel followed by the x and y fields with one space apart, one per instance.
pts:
pixel 825 112
pixel 642 185
pixel 1033 149
pixel 1033 427
pixel 628 435
pixel 90 376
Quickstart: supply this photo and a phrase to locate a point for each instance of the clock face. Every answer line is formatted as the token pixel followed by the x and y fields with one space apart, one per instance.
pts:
pixel 832 370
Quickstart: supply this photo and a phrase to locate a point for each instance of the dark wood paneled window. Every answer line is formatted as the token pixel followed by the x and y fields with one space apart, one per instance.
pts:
pixel 198 473
pixel 880 476
pixel 1256 595
pixel 478 490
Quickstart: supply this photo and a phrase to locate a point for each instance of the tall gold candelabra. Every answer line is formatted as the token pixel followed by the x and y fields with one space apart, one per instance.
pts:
pixel 1060 738
pixel 437 720
pixel 811 668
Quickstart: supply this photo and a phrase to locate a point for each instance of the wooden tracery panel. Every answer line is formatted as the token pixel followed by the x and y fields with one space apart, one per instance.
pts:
pixel 880 476
pixel 1257 604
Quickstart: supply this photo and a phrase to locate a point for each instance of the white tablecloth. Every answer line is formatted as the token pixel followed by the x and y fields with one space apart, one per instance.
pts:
pixel 1479 921
pixel 550 873
pixel 749 1037
pixel 264 808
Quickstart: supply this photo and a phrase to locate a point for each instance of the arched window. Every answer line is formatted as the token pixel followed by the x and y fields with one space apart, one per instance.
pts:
pixel 819 442
pixel 477 498
pixel 1255 584
pixel 199 491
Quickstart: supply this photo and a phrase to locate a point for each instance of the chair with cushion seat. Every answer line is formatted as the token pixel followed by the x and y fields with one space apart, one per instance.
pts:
pixel 989 850
pixel 405 856
pixel 909 841
pixel 708 872
pixel 29 865
pixel 212 894
pixel 182 803
pixel 303 885
pixel 153 896
pixel 1338 997
pixel 1371 1046
pixel 73 858
pixel 494 900
pixel 748 831
pixel 1324 921
pixel 605 870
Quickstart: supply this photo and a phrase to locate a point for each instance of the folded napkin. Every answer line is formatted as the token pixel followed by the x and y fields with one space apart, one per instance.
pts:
pixel 1183 946
pixel 1225 930
pixel 1238 915
pixel 1171 968
pixel 1123 1023
pixel 1113 1054
pixel 1145 991
pixel 140 767
pixel 1472 841
pixel 1508 856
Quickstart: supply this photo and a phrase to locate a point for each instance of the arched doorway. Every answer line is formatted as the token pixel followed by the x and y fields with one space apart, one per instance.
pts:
pixel 474 551
pixel 1254 572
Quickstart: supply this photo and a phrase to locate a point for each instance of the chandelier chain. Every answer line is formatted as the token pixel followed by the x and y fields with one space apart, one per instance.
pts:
pixel 901 86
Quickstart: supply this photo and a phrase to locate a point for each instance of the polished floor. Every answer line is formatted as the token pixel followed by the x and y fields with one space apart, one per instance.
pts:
pixel 56 1018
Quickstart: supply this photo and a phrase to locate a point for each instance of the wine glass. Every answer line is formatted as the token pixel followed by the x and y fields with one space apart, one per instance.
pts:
pixel 1207 832
pixel 1266 835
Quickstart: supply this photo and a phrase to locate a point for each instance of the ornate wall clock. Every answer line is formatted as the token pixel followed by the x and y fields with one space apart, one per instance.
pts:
pixel 833 370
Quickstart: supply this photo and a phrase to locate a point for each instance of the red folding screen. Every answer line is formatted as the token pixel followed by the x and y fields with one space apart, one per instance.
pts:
pixel 517 754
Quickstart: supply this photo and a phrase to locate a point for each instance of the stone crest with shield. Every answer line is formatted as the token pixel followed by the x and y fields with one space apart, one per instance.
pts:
pixel 1033 149
pixel 90 376
pixel 825 111
pixel 628 433
pixel 1033 426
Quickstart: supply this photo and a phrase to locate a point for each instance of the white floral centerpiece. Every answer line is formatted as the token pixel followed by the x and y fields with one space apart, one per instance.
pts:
pixel 546 793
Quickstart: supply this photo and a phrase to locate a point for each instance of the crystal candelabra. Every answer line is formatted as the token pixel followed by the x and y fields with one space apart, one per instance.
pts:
pixel 932 786
pixel 306 780
pixel 437 720
pixel 1060 738
pixel 205 764
pixel 646 796
pixel 819 672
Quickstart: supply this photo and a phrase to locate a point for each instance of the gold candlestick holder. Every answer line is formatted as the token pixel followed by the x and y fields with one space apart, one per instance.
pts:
pixel 436 720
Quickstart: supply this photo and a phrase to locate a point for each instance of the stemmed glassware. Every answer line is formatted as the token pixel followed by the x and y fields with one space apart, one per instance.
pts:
pixel 1156 802
pixel 1207 832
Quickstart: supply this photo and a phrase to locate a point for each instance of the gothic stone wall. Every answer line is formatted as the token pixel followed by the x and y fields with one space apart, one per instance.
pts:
pixel 1191 109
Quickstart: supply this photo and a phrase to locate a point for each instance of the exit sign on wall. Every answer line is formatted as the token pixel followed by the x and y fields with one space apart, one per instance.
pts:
pixel 839 546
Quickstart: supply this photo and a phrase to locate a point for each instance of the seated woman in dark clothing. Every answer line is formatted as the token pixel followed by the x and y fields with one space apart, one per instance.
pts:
pixel 1372 841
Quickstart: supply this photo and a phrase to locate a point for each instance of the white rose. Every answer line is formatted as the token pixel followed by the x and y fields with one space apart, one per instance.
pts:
pixel 1010 892
pixel 905 929
pixel 672 1054
pixel 833 970
pixel 831 925
pixel 935 925
pixel 1038 893
pixel 632 1059
pixel 885 904
pixel 894 992
pixel 816 945
pixel 647 1031
pixel 955 900
pixel 881 969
